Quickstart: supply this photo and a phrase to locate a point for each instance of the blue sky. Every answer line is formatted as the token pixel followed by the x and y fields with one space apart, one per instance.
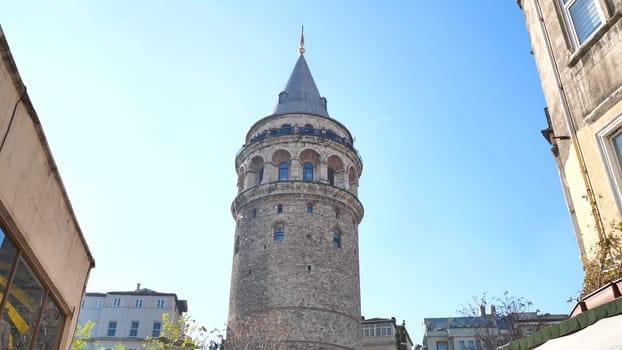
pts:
pixel 145 105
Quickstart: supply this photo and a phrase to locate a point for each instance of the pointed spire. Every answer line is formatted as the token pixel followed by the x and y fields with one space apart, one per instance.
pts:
pixel 300 94
pixel 302 41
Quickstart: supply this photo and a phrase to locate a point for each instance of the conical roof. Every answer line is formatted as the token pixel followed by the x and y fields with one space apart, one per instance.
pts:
pixel 300 94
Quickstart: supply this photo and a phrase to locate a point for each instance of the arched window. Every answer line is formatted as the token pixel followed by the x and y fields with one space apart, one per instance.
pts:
pixel 307 172
pixel 335 171
pixel 279 208
pixel 283 171
pixel 336 240
pixel 309 207
pixel 279 233
pixel 331 176
pixel 256 171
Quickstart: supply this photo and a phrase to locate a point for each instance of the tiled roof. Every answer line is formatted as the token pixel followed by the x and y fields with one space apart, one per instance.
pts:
pixel 300 94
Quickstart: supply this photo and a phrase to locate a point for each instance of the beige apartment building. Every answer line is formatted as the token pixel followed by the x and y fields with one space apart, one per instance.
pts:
pixel 44 259
pixel 128 317
pixel 578 52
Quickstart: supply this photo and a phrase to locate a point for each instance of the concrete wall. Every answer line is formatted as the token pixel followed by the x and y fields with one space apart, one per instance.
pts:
pixel 590 85
pixel 33 203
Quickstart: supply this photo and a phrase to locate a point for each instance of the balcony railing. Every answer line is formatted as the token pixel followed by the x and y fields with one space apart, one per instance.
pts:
pixel 297 130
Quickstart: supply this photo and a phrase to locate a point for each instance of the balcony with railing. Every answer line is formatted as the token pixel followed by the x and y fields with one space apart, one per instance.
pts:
pixel 303 131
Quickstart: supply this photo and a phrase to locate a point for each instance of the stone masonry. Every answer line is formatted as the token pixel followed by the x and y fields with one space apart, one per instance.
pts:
pixel 299 290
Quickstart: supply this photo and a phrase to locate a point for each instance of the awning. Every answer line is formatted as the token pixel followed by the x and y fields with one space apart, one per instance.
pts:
pixel 599 328
pixel 605 334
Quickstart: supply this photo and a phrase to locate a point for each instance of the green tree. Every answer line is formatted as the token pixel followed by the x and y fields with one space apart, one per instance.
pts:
pixel 81 335
pixel 606 264
pixel 174 335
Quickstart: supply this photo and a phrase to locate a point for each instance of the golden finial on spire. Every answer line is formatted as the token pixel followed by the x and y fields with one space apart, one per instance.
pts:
pixel 302 41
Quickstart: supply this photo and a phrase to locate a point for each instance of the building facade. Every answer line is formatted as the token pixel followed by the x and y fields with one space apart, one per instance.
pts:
pixel 484 332
pixel 577 46
pixel 128 317
pixel 295 276
pixel 44 259
pixel 385 334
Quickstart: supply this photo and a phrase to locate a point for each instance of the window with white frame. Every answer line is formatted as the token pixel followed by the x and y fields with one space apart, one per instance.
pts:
pixel 160 304
pixel 112 328
pixel 99 304
pixel 472 345
pixel 116 302
pixel 139 303
pixel 369 330
pixel 384 329
pixel 583 18
pixel 134 329
pixel 610 142
pixel 155 332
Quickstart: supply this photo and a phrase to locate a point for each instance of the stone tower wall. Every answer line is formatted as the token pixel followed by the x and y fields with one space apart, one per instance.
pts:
pixel 302 291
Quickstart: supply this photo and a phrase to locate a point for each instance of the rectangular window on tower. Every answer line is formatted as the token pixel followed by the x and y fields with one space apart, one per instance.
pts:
pixel 279 233
pixel 331 176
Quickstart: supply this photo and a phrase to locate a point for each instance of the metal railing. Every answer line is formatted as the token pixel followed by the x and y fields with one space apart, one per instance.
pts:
pixel 304 131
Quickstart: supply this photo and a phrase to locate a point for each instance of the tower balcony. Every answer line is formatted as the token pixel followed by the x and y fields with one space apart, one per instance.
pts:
pixel 301 131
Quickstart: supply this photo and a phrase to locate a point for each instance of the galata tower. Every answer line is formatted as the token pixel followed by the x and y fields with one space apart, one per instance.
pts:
pixel 295 277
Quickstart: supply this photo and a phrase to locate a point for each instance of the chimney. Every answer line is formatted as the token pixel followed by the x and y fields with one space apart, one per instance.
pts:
pixel 482 310
pixel 493 311
pixel 137 287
